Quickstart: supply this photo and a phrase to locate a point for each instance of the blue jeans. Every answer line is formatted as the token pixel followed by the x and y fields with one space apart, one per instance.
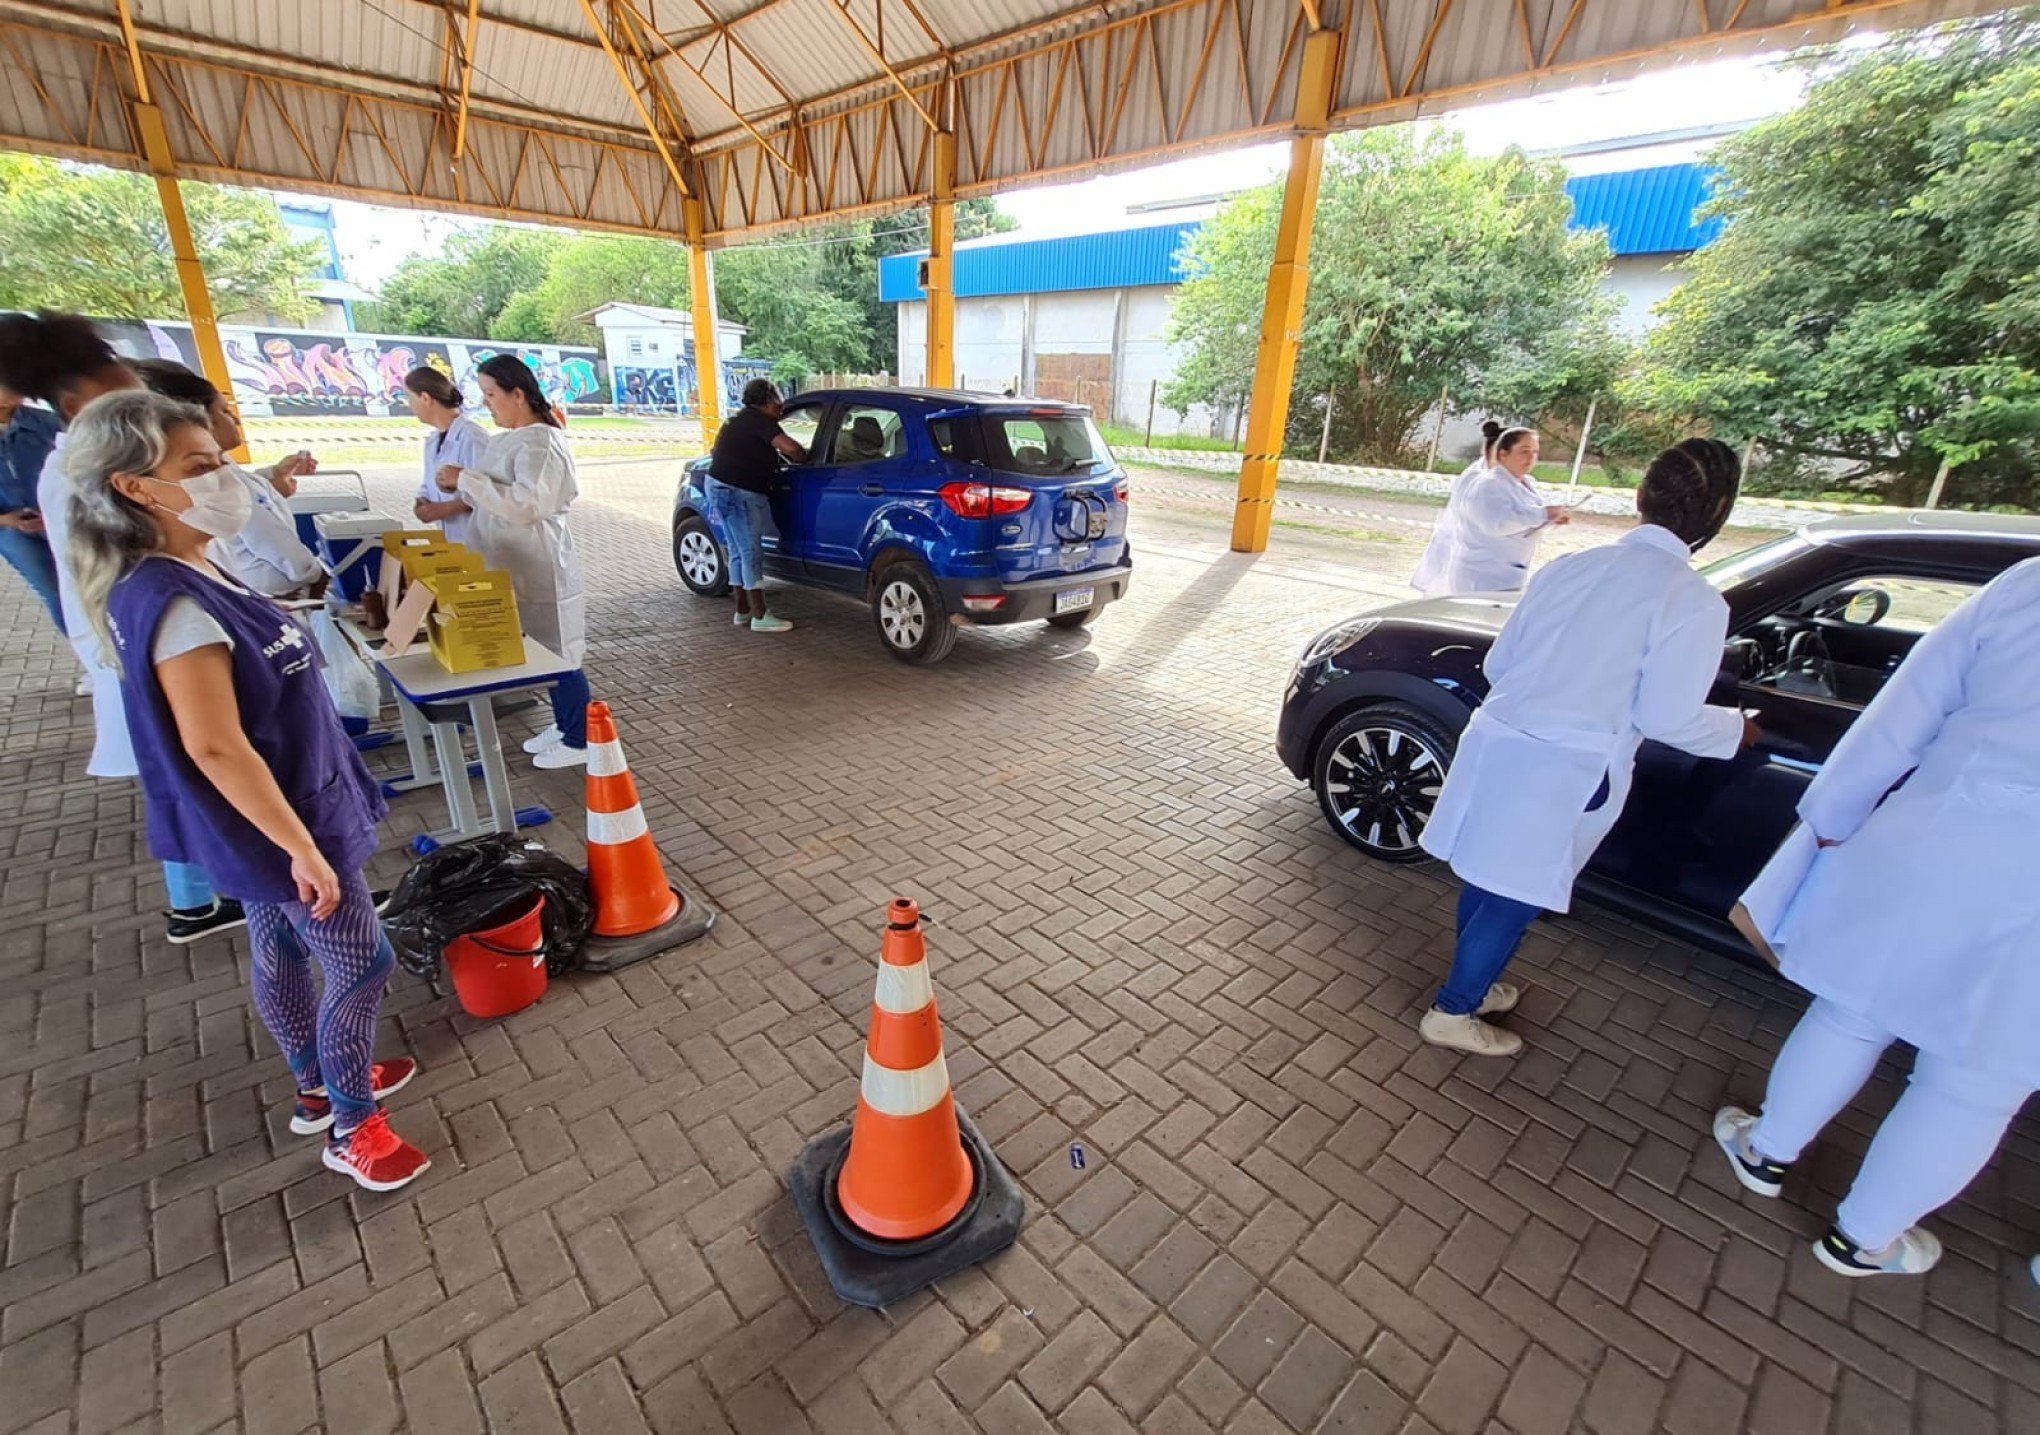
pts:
pixel 744 515
pixel 189 889
pixel 1491 927
pixel 570 708
pixel 29 555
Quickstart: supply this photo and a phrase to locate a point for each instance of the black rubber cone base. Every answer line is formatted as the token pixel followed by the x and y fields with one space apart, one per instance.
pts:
pixel 613 954
pixel 871 1272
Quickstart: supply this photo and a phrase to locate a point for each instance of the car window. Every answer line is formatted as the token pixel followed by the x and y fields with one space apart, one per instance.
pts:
pixel 800 424
pixel 1042 443
pixel 1841 642
pixel 866 435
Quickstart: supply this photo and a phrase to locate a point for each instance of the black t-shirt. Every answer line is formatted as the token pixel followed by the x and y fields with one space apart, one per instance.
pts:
pixel 743 456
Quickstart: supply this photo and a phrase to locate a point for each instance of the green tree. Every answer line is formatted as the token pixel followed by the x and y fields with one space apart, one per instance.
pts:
pixel 93 241
pixel 461 293
pixel 1432 270
pixel 584 273
pixel 780 293
pixel 1873 306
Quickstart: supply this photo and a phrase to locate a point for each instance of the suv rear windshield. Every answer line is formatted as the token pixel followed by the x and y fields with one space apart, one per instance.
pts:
pixel 1043 444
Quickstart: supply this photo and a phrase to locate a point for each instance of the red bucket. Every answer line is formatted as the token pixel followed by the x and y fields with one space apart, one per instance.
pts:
pixel 501 969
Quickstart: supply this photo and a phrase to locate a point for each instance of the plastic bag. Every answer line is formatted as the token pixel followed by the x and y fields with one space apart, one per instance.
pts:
pixel 481 883
pixel 349 679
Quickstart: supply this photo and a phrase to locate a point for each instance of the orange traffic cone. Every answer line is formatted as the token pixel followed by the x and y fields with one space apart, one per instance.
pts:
pixel 907 1174
pixel 625 876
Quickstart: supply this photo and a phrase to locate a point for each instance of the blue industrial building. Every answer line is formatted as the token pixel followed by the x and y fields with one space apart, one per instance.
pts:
pixel 1084 317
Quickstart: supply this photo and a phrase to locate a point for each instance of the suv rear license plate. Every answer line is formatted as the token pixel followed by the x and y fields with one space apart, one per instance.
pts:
pixel 1074 600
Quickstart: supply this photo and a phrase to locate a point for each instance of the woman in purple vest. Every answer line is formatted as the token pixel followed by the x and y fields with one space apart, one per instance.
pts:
pixel 247 770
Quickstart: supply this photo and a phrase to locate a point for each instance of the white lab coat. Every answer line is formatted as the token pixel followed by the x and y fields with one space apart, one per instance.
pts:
pixel 461 444
pixel 520 490
pixel 1495 534
pixel 1433 576
pixel 113 755
pixel 1925 918
pixel 266 556
pixel 1608 647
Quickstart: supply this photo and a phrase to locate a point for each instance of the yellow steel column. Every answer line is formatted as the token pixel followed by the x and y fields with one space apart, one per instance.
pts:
pixel 1282 309
pixel 701 297
pixel 941 266
pixel 198 307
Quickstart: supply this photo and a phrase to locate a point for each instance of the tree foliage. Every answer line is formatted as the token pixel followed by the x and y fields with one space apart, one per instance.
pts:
pixel 1874 303
pixel 810 300
pixel 93 241
pixel 461 293
pixel 1432 270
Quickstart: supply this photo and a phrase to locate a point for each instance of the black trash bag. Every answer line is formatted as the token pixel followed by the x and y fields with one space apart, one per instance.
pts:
pixel 481 883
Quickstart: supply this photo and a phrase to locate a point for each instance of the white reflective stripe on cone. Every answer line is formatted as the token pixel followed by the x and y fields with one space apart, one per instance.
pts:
pixel 903 990
pixel 904 1093
pixel 609 829
pixel 605 759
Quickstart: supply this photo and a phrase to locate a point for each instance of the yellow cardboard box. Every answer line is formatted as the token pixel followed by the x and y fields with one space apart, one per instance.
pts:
pixel 474 623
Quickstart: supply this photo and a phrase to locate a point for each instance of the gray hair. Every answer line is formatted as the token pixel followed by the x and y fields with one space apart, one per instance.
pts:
pixel 123 432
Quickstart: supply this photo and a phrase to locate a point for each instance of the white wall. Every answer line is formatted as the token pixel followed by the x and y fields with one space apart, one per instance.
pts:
pixel 1640 281
pixel 991 344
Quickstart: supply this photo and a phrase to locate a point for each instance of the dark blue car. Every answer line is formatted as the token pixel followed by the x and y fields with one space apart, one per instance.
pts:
pixel 1817 621
pixel 936 508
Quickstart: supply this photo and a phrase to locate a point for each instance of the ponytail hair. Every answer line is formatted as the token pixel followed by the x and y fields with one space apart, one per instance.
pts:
pixel 1690 488
pixel 1508 438
pixel 1489 432
pixel 124 432
pixel 510 373
pixel 427 382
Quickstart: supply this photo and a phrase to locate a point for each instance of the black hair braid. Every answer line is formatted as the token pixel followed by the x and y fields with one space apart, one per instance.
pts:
pixel 1690 488
pixel 42 355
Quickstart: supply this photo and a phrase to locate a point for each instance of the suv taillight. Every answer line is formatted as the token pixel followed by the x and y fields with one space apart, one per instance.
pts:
pixel 984 500
pixel 1119 492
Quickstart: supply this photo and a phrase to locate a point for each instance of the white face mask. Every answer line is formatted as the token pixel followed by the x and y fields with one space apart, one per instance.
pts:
pixel 220 503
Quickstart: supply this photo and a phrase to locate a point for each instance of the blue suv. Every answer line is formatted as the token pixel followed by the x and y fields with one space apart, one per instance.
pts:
pixel 936 508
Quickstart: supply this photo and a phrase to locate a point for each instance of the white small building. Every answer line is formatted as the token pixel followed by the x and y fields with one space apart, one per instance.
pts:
pixel 649 353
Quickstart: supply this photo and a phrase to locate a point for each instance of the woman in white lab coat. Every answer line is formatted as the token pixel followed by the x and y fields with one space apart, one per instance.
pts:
pixel 1906 903
pixel 1499 521
pixel 1608 647
pixel 454 439
pixel 66 363
pixel 520 490
pixel 1432 578
pixel 267 555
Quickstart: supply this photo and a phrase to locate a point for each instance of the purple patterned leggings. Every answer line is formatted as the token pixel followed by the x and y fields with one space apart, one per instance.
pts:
pixel 327 1037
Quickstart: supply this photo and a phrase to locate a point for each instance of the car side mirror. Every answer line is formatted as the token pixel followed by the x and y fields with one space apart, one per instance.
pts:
pixel 1866 607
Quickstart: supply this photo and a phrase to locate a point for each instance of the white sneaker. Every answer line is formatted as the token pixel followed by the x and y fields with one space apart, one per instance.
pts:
pixel 546 741
pixel 1468 1034
pixel 1501 997
pixel 1912 1254
pixel 560 755
pixel 1732 1127
pixel 741 620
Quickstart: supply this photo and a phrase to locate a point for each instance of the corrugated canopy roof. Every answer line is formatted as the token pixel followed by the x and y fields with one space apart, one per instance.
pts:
pixel 596 113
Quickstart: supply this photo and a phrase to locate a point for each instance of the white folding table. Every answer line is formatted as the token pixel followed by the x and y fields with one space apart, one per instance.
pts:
pixel 423 690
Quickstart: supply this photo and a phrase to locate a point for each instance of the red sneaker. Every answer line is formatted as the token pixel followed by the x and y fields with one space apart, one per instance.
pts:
pixel 314 1111
pixel 375 1156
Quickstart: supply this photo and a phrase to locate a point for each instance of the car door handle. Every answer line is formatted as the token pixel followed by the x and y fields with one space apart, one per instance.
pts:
pixel 871 490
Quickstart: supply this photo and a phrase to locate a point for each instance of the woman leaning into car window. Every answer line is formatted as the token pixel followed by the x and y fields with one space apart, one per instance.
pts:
pixel 1905 903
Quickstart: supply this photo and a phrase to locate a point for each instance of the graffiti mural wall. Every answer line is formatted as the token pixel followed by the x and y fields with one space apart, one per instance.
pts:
pixel 290 372
pixel 669 388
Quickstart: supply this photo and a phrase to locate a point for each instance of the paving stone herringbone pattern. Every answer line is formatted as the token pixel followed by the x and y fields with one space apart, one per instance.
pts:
pixel 1291 1216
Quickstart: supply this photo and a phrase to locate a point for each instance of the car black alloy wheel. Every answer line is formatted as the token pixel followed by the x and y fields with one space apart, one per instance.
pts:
pixel 1378 774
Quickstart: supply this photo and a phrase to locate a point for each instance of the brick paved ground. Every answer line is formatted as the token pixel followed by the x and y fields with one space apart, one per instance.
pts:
pixel 1291 1217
